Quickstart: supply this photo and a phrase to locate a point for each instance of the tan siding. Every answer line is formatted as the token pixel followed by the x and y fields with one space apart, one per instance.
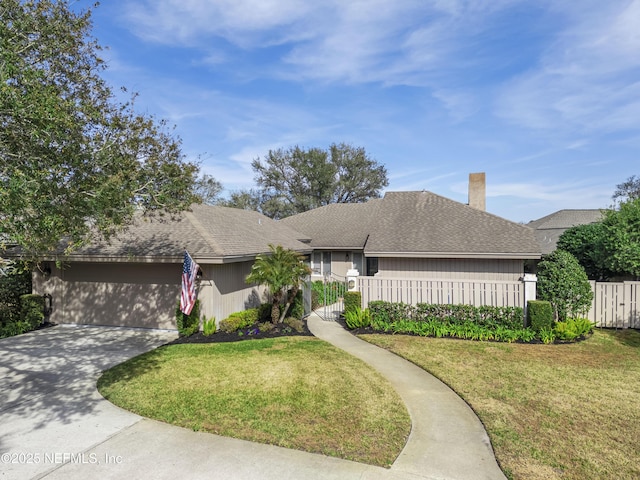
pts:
pixel 458 269
pixel 225 291
pixel 340 264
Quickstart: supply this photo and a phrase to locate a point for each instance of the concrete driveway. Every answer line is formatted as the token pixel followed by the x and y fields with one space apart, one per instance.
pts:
pixel 49 407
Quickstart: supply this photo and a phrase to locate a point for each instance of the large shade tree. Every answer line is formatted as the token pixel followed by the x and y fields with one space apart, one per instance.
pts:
pixel 74 161
pixel 296 180
pixel 282 271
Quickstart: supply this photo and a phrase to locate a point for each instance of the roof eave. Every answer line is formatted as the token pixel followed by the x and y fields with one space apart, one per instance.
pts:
pixel 204 260
pixel 480 255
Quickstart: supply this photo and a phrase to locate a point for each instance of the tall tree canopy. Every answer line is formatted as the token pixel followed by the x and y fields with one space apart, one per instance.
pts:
pixel 587 243
pixel 73 161
pixel 296 180
pixel 208 189
pixel 627 190
pixel 622 241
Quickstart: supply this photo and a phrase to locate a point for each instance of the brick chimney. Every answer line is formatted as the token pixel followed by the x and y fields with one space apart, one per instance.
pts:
pixel 477 191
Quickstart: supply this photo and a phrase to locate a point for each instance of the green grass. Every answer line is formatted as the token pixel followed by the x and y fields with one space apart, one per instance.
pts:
pixel 552 411
pixel 295 392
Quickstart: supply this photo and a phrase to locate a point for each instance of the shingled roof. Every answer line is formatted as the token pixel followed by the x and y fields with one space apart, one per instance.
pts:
pixel 548 229
pixel 211 234
pixel 336 226
pixel 416 224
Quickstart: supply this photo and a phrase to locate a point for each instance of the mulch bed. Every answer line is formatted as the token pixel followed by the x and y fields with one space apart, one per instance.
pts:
pixel 251 333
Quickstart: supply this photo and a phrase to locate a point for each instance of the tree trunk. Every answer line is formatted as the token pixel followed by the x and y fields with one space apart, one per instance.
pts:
pixel 275 312
pixel 290 298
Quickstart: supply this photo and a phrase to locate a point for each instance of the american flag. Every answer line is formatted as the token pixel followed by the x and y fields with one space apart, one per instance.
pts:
pixel 189 272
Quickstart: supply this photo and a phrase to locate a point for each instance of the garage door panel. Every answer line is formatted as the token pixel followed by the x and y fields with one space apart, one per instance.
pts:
pixel 122 295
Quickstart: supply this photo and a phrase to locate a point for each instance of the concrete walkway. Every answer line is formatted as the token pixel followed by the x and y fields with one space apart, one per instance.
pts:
pixel 55 425
pixel 447 439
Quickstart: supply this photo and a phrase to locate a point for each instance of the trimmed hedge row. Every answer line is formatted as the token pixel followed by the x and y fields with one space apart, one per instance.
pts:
pixel 387 312
pixel 503 324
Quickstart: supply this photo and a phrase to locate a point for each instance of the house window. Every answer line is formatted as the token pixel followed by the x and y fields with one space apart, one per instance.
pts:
pixel 316 263
pixel 321 263
pixel 326 263
pixel 356 260
pixel 372 266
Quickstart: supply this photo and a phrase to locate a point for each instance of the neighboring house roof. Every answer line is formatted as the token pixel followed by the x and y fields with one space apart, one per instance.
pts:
pixel 548 229
pixel 211 234
pixel 416 224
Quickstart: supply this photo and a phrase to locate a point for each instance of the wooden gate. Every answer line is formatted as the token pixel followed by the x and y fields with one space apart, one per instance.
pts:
pixel 615 304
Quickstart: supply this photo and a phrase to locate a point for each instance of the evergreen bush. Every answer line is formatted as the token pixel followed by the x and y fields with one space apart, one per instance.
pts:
pixel 32 309
pixel 12 286
pixel 563 282
pixel 239 320
pixel 188 324
pixel 352 301
pixel 539 315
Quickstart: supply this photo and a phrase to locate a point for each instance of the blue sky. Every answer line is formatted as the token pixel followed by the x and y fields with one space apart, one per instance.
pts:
pixel 543 96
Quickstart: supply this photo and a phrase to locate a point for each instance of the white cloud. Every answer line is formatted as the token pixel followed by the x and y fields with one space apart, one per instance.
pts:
pixel 587 81
pixel 243 22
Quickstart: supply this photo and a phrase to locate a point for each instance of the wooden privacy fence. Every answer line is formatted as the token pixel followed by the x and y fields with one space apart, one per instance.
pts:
pixel 615 304
pixel 467 292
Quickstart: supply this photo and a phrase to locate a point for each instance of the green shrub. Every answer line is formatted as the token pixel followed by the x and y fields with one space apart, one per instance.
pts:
pixel 563 282
pixel 352 301
pixel 188 324
pixel 572 328
pixel 232 324
pixel 249 316
pixel 526 334
pixel 295 324
pixel 565 331
pixel 387 312
pixel 32 309
pixel 508 317
pixel 266 326
pixel 209 327
pixel 15 283
pixel 239 320
pixel 357 318
pixel 12 329
pixel 547 335
pixel 539 315
pixel 583 326
pixel 459 321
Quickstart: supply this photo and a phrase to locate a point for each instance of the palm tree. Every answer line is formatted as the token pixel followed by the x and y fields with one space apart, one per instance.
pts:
pixel 282 271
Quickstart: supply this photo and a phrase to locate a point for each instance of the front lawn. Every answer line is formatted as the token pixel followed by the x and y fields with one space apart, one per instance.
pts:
pixel 296 392
pixel 552 411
